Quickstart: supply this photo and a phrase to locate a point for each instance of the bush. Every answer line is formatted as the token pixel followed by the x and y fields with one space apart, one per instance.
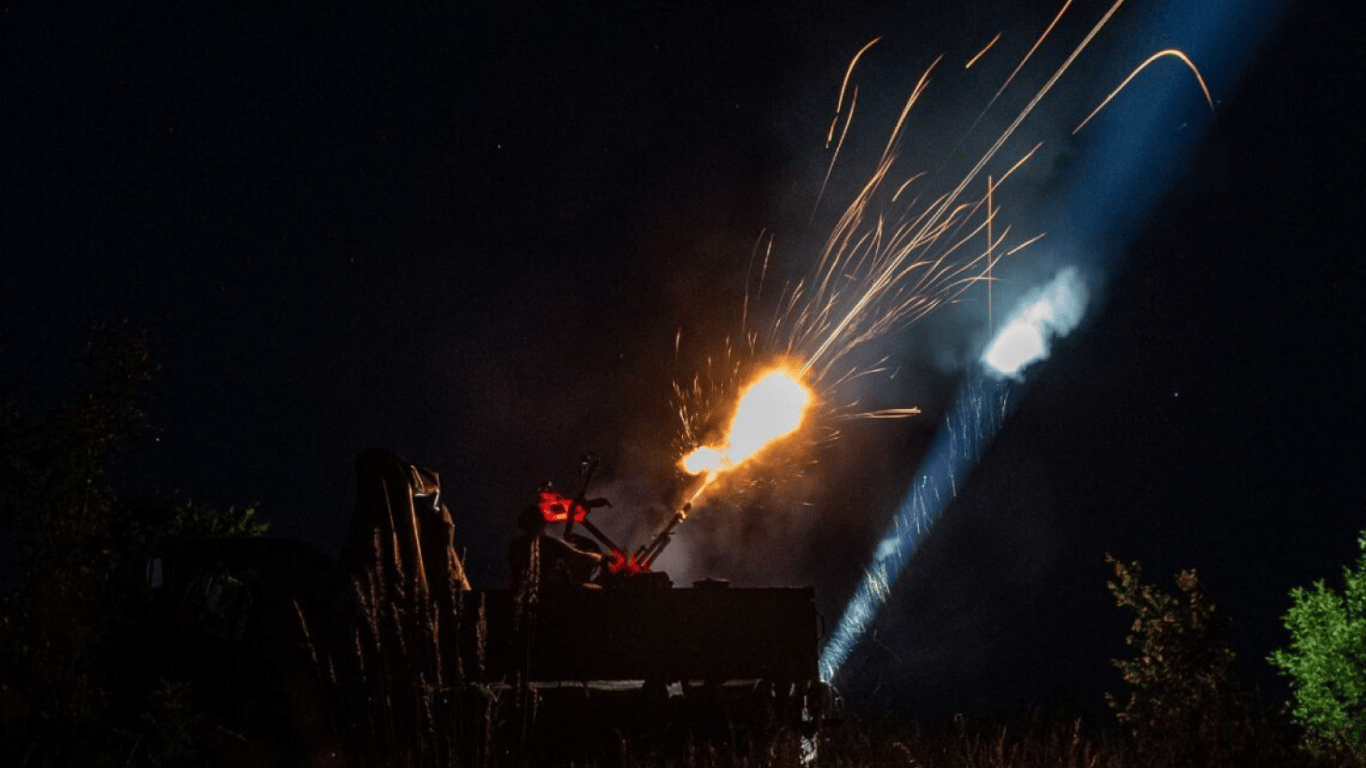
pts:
pixel 1186 705
pixel 1326 663
pixel 76 684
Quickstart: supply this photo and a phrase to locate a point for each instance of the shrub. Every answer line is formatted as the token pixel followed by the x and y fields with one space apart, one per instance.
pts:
pixel 1326 663
pixel 1186 703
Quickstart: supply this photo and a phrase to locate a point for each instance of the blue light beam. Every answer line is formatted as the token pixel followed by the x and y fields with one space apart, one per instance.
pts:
pixel 1130 160
pixel 980 408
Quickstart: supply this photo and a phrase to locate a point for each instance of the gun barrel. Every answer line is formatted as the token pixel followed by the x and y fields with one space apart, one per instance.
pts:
pixel 597 534
pixel 656 546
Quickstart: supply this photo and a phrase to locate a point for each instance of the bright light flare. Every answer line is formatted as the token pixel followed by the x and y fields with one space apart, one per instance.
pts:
pixel 702 460
pixel 1050 312
pixel 772 407
pixel 1017 345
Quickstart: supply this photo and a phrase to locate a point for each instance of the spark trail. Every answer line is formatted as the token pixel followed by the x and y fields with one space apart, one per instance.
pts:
pixel 1105 194
pixel 884 264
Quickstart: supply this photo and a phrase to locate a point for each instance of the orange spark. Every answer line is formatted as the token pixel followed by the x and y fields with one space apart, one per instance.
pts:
pixel 910 102
pixel 1026 244
pixel 887 413
pixel 839 103
pixel 835 157
pixel 1019 163
pixel 990 187
pixel 1167 52
pixel 905 184
pixel 1035 47
pixel 974 59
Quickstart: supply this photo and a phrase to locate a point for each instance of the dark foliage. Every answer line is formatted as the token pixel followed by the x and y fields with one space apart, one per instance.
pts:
pixel 76 684
pixel 1187 704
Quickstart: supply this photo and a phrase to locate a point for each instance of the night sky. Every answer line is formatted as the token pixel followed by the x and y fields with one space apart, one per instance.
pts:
pixel 491 236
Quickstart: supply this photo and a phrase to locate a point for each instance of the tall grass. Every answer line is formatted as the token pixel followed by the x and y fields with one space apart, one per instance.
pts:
pixel 395 684
pixel 402 690
pixel 399 696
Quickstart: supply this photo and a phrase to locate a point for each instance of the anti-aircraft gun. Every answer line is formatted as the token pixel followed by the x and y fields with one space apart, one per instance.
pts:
pixel 642 650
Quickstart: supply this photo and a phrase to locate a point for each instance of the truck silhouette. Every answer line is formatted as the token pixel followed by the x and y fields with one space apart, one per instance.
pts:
pixel 389 657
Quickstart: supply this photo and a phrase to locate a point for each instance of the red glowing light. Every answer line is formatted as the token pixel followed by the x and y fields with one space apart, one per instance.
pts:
pixel 556 507
pixel 620 564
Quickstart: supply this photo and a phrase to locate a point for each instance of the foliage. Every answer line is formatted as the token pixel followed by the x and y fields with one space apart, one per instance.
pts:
pixel 1326 662
pixel 170 723
pixel 1035 740
pixel 74 690
pixel 1031 739
pixel 56 506
pixel 1186 703
pixel 53 473
pixel 166 519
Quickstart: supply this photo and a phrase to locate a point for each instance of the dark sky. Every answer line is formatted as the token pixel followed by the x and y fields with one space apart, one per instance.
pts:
pixel 471 234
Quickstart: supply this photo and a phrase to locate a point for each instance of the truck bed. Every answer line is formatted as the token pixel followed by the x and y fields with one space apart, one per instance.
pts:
pixel 712 633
